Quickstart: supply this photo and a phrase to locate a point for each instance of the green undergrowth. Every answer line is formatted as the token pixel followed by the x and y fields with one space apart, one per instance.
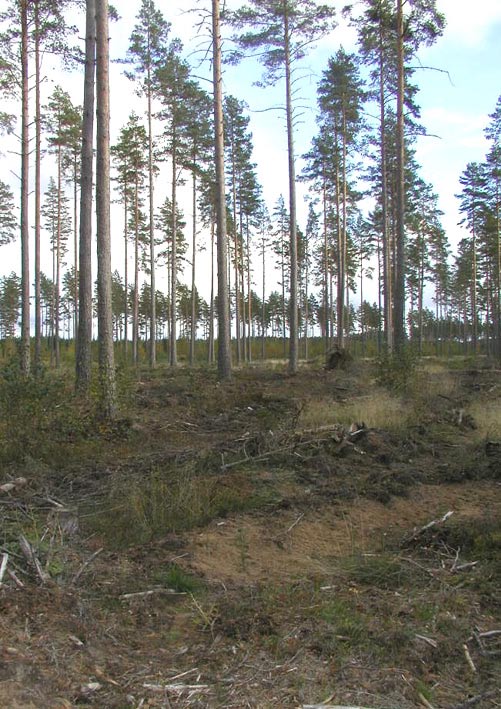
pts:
pixel 175 498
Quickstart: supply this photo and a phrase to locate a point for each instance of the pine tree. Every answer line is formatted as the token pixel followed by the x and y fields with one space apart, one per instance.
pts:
pixel 84 340
pixel 493 159
pixel 104 317
pixel 341 96
pixel 10 300
pixel 57 223
pixel 130 155
pixel 174 90
pixel 223 310
pixel 147 51
pixel 279 31
pixel 8 221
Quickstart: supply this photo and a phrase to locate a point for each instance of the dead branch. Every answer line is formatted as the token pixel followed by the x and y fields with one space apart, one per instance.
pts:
pixel 292 525
pixel 3 566
pixel 32 559
pixel 469 659
pixel 151 592
pixel 330 706
pixel 434 523
pixel 430 641
pixel 424 701
pixel 16 580
pixel 85 565
pixel 476 700
pixel 177 688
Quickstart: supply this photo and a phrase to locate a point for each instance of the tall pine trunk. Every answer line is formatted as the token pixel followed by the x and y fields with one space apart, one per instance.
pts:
pixel 153 313
pixel 399 311
pixel 293 308
pixel 38 193
pixel 25 233
pixel 105 319
pixel 224 346
pixel 84 339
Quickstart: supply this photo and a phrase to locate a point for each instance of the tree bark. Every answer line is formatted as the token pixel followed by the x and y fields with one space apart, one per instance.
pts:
pixel 224 346
pixel 153 313
pixel 293 310
pixel 84 339
pixel 38 192
pixel 25 233
pixel 399 310
pixel 105 319
pixel 173 264
pixel 193 333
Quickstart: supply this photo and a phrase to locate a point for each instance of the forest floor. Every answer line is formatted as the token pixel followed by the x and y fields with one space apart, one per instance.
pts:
pixel 261 543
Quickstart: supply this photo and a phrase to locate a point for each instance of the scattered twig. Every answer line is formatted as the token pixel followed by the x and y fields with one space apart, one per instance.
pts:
pixel 489 634
pixel 469 659
pixel 3 566
pixel 424 701
pixel 430 641
pixel 476 700
pixel 418 565
pixel 32 559
pixel 16 580
pixel 177 688
pixel 330 706
pixel 435 522
pixel 151 592
pixel 463 567
pixel 85 565
pixel 295 523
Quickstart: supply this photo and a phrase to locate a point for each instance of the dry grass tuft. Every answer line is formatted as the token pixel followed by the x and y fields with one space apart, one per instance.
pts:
pixel 380 409
pixel 487 417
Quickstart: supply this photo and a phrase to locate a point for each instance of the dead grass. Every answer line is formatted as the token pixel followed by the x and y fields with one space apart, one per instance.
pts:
pixel 487 417
pixel 379 409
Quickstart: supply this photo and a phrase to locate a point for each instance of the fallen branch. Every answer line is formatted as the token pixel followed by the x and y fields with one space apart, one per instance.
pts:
pixel 424 701
pixel 177 688
pixel 469 659
pixel 435 522
pixel 294 523
pixel 32 559
pixel 430 641
pixel 463 567
pixel 85 565
pixel 330 706
pixel 151 592
pixel 476 700
pixel 3 566
pixel 16 580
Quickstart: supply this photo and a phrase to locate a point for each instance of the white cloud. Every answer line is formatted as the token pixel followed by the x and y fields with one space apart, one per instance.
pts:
pixel 469 22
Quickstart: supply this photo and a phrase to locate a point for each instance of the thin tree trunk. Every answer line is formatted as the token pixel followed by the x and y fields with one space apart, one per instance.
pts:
pixel 135 303
pixel 38 192
pixel 263 305
pixel 387 277
pixel 58 247
pixel 211 305
pixel 193 334
pixel 293 309
pixel 84 339
pixel 153 314
pixel 399 324
pixel 173 264
pixel 105 320
pixel 75 244
pixel 25 233
pixel 126 270
pixel 224 347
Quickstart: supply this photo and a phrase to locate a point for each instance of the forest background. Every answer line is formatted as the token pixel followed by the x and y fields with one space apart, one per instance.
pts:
pixel 458 85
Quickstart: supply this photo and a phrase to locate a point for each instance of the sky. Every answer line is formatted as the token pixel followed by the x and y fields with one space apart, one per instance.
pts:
pixel 456 95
